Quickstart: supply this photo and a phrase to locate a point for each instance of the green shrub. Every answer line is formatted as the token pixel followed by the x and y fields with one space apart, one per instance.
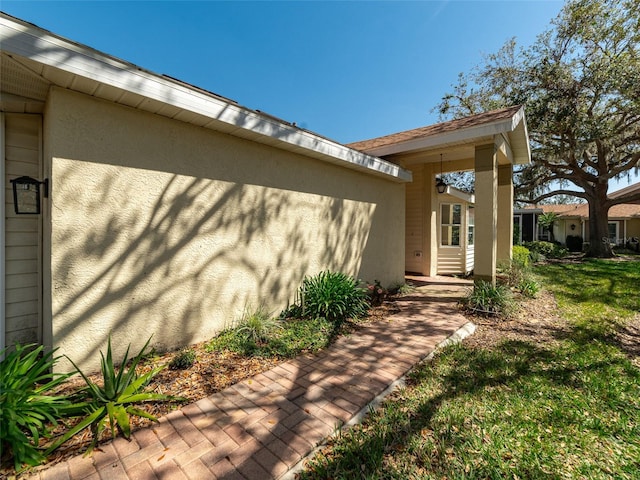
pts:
pixel 521 255
pixel 488 299
pixel 574 243
pixel 547 249
pixel 528 287
pixel 113 401
pixel 333 296
pixel 26 409
pixel 183 359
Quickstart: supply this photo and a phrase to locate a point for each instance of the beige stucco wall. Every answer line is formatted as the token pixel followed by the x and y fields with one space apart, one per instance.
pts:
pixel 162 228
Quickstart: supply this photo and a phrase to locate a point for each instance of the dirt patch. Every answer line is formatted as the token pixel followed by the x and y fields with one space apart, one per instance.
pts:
pixel 537 320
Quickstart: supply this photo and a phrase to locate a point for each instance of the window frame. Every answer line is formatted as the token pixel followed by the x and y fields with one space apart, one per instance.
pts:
pixel 452 226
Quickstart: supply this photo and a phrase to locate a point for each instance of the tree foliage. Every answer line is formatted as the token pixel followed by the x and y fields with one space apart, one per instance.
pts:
pixel 580 85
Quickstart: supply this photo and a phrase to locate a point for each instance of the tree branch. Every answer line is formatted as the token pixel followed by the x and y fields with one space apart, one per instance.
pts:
pixel 553 194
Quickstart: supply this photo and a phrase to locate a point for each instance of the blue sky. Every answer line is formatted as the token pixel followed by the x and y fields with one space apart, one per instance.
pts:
pixel 346 70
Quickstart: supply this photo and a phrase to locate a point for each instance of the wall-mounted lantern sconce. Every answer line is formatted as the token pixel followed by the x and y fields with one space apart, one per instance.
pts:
pixel 573 226
pixel 26 194
pixel 440 185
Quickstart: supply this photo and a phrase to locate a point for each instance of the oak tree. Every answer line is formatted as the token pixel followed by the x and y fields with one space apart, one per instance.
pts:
pixel 580 84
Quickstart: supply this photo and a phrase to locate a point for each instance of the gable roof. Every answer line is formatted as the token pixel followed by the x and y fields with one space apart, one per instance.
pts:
pixel 633 188
pixel 33 59
pixel 581 210
pixel 507 121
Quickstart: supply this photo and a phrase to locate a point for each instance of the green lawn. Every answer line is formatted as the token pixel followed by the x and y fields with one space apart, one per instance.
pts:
pixel 519 409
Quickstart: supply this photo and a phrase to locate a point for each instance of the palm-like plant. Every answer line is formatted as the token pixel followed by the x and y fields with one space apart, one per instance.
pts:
pixel 547 220
pixel 27 410
pixel 114 401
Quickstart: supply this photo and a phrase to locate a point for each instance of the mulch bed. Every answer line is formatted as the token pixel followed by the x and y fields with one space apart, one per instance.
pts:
pixel 210 373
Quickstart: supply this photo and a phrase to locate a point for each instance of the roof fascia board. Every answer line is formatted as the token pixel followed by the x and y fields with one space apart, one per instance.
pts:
pixel 467 197
pixel 39 45
pixel 507 128
pixel 467 135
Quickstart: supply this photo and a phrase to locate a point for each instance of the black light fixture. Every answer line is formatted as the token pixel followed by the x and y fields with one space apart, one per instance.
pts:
pixel 440 185
pixel 26 194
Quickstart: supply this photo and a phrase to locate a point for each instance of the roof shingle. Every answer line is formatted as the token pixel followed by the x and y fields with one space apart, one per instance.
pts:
pixel 450 126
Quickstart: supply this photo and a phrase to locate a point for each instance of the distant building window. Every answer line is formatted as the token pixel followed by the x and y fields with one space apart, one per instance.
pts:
pixel 613 232
pixel 451 222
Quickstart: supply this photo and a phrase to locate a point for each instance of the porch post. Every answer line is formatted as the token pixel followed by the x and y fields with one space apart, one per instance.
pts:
pixel 505 212
pixel 430 246
pixel 486 170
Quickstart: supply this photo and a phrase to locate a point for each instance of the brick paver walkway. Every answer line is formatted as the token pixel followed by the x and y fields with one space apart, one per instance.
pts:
pixel 263 427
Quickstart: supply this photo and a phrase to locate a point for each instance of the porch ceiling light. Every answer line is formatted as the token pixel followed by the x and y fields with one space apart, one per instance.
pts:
pixel 441 186
pixel 26 194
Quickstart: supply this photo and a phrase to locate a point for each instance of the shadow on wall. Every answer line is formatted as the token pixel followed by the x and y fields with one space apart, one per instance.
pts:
pixel 184 263
pixel 177 228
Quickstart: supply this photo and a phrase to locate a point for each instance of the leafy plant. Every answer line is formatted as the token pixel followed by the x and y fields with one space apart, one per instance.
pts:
pixel 26 410
pixel 257 326
pixel 528 287
pixel 490 299
pixel 377 293
pixel 521 255
pixel 547 249
pixel 333 296
pixel 183 359
pixel 114 400
pixel 547 220
pixel 402 289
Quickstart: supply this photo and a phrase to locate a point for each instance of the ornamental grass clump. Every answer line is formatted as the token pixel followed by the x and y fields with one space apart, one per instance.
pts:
pixel 257 326
pixel 28 410
pixel 333 296
pixel 488 299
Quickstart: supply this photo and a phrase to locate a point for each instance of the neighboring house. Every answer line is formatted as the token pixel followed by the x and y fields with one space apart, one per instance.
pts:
pixel 573 219
pixel 169 210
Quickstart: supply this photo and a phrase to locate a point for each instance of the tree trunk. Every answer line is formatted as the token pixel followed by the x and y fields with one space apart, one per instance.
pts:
pixel 599 246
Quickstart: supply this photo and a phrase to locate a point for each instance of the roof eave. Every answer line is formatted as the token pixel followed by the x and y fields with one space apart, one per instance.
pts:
pixel 514 127
pixel 26 40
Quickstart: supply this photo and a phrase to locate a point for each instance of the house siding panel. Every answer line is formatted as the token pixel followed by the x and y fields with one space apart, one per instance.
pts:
pixel 415 223
pixel 22 233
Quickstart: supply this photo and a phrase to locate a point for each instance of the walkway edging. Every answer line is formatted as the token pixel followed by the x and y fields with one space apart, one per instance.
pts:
pixel 456 337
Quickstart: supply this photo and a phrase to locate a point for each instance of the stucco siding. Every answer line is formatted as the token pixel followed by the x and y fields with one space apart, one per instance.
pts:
pixel 633 227
pixel 162 228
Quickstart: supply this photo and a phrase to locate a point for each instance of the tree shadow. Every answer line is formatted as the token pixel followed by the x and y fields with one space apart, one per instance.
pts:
pixel 472 373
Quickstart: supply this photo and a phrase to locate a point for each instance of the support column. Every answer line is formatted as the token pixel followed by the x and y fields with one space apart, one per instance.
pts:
pixel 486 163
pixel 505 213
pixel 430 249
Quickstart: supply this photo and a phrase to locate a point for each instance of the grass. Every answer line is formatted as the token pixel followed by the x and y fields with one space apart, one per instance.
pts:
pixel 569 408
pixel 597 295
